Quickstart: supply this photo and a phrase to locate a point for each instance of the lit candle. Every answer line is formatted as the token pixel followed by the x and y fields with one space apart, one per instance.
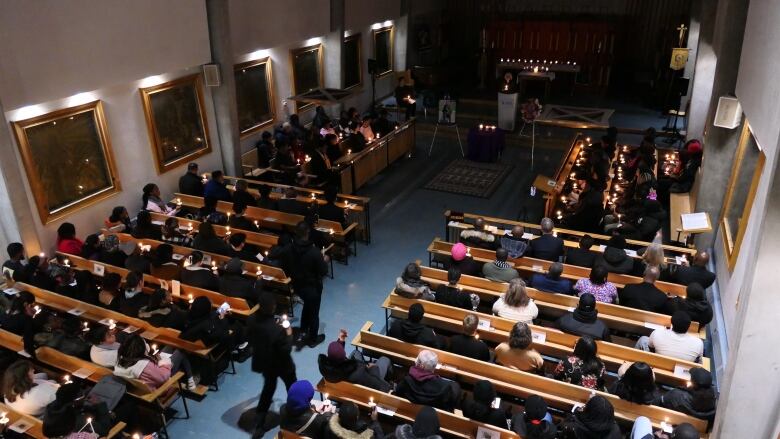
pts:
pixel 3 418
pixel 37 309
pixel 536 69
pixel 563 199
pixel 331 231
pixel 257 224
pixel 258 272
pixel 481 127
pixel 313 196
pixel 111 324
pixel 190 299
pixel 41 255
pixel 325 398
pixel 190 226
pixel 371 402
pixel 227 230
pixel 66 262
pixel 349 151
pixel 468 251
pixel 66 379
pixel 178 201
pixel 86 326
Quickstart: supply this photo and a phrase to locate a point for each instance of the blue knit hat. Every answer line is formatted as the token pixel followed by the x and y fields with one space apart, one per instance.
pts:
pixel 299 396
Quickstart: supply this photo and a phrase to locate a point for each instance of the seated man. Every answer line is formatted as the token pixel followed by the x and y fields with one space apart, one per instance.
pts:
pixel 514 243
pixel 584 320
pixel 15 261
pixel 645 295
pixel 329 211
pixel 412 331
pixel 582 256
pixel 216 187
pixel 289 203
pixel 234 284
pixel 696 272
pixel 450 294
pixel 239 221
pixel 694 303
pixel 675 342
pixel 423 386
pixel 265 201
pixel 462 260
pixel 478 236
pixel 242 195
pixel 198 275
pixel 468 344
pixel 191 183
pixel 552 281
pixel 500 270
pixel 239 248
pixel 547 246
pixel 335 366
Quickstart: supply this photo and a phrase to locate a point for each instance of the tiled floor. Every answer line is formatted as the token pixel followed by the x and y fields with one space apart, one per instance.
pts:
pixel 405 218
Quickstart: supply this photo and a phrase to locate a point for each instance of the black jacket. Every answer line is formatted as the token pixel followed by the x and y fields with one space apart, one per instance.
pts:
pixel 598 329
pixel 116 258
pixel 244 197
pixel 467 266
pixel 242 223
pixel 580 257
pixel 436 392
pixel 416 333
pixel 645 296
pixel 468 346
pixel 352 371
pixel 21 324
pixel 213 245
pixel 447 295
pixel 138 263
pixel 166 317
pixel 191 184
pixel 480 413
pixel 305 265
pixel 210 330
pixel 681 400
pixel 316 429
pixel 331 212
pixel 131 306
pixel 688 275
pixel 547 247
pixel 292 205
pixel 271 346
pixel 549 430
pixel 202 278
pixel 236 285
pixel 699 311
pixel 152 232
pixel 615 260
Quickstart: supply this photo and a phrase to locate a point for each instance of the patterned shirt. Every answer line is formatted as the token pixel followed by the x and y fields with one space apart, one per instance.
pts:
pixel 570 371
pixel 605 292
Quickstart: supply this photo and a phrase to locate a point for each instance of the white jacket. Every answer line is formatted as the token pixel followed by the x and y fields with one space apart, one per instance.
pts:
pixel 104 355
pixel 34 401
pixel 524 314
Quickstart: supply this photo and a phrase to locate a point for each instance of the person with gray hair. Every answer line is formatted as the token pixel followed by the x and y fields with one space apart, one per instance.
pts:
pixel 423 386
pixel 548 246
pixel 552 282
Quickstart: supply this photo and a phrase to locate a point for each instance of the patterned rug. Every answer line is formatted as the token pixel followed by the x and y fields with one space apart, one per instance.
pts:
pixel 470 178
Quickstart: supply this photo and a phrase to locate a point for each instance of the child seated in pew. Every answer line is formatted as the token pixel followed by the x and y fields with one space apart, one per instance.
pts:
pixel 27 392
pixel 161 311
pixel 136 360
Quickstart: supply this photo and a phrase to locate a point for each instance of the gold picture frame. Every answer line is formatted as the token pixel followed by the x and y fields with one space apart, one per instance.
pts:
pixel 385 66
pixel 82 157
pixel 732 244
pixel 300 59
pixel 357 40
pixel 247 123
pixel 176 121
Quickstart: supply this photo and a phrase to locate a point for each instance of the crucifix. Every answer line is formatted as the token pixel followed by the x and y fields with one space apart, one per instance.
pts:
pixel 682 30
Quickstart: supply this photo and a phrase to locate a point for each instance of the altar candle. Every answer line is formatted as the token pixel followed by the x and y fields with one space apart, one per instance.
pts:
pixel 536 69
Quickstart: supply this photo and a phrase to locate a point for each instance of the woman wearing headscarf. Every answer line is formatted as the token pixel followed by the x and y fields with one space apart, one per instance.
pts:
pixel 346 424
pixel 426 426
pixel 699 400
pixel 297 416
pixel 583 368
pixel 480 406
pixel 535 422
pixel 636 384
pixel 584 320
pixel 411 285
pixel 596 420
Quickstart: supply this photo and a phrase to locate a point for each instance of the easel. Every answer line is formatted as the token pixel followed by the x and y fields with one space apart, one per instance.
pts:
pixel 436 129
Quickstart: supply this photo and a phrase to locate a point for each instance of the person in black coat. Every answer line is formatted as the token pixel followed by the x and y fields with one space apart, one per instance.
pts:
pixel 614 258
pixel 320 165
pixel 20 319
pixel 110 253
pixel 197 275
pixel 694 303
pixel 450 294
pixel 289 203
pixel 208 326
pixel 467 344
pixel 588 210
pixel 335 366
pixel 480 406
pixel 582 256
pixel 699 400
pixel 637 385
pixel 133 298
pixel 272 343
pixel 239 248
pixel 162 312
pixel 144 228
pixel 461 260
pixel 234 284
pixel 645 295
pixel 412 331
pixel 596 420
pixel 297 414
pixel 239 221
pixel 697 272
pixel 265 201
pixel 208 241
pixel 584 320
pixel 191 183
pixel 329 211
pixel 241 194
pixel 422 386
pixel 535 422
pixel 266 151
pixel 547 246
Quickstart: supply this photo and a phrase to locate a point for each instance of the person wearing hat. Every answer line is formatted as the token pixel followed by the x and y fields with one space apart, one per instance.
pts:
pixel 694 303
pixel 480 406
pixel 645 295
pixel 535 422
pixel 191 183
pixel 346 424
pixel 425 426
pixel 460 259
pixel 596 420
pixel 297 415
pixel 675 342
pixel 584 320
pixel 412 330
pixel 336 366
pixel 614 257
pixel 423 386
pixel 698 400
pixel 233 283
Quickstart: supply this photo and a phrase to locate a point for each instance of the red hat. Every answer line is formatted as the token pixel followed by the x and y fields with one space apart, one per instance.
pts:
pixel 694 146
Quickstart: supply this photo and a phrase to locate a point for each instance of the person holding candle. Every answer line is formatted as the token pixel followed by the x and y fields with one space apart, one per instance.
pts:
pixel 105 348
pixel 198 275
pixel 233 283
pixel 289 203
pixel 330 211
pixel 208 241
pixel 217 188
pixel 365 129
pixel 535 422
pixel 298 416
pixel 425 426
pixel 108 297
pixel 211 327
pixel 118 221
pixel 19 319
pixel 172 234
pixel 462 260
pixel 239 220
pixel 145 228
pixel 346 424
pixel 136 360
pixel 480 406
pixel 405 94
pixel 698 400
pixel 191 183
pixel 71 417
pixel 162 312
pixel 27 392
pixel 133 298
pixel 452 295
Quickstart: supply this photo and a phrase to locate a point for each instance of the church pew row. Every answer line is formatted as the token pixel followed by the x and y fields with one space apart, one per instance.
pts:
pixel 93 313
pixel 563 233
pixel 440 251
pixel 560 395
pixel 548 341
pixel 238 306
pixel 617 317
pixel 35 429
pixel 159 399
pixel 404 411
pixel 262 240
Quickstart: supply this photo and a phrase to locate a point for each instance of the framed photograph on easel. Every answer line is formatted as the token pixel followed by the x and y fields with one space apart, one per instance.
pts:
pixel 447 110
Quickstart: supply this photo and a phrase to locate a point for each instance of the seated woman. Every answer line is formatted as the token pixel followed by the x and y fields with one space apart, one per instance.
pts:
pixel 699 400
pixel 614 257
pixel 346 424
pixel 91 248
pixel 118 221
pixel 480 406
pixel 163 265
pixel 535 422
pixel 136 360
pixel 335 366
pixel 636 384
pixel 462 260
pixel 583 367
pixel 144 228
pixel 67 241
pixel 208 241
pixel 595 420
pixel 298 415
pixel 109 294
pixel 411 285
pixel 104 348
pixel 161 311
pixel 28 392
pixel 517 353
pixel 515 304
pixel 173 235
pixel 598 285
pixel 150 200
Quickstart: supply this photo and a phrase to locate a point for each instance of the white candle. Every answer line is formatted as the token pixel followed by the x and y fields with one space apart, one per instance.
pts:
pixel 190 299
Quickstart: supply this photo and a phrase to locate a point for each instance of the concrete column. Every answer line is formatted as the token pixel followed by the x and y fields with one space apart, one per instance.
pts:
pixel 704 69
pixel 17 221
pixel 693 45
pixel 224 96
pixel 403 31
pixel 334 52
pixel 750 394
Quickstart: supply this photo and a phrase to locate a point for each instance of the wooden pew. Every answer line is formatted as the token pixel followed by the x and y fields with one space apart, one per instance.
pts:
pixel 449 216
pixel 405 411
pixel 616 317
pixel 556 343
pixel 36 429
pixel 238 306
pixel 513 382
pixel 527 266
pixel 262 240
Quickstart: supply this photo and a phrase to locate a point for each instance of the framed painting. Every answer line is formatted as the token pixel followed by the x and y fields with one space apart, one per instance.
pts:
pixel 254 95
pixel 383 50
pixel 177 124
pixel 353 63
pixel 743 183
pixel 307 72
pixel 67 158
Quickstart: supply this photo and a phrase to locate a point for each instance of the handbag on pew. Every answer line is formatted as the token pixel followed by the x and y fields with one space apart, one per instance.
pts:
pixel 109 390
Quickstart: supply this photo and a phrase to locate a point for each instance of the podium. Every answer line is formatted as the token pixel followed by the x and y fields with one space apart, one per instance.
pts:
pixel 507 110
